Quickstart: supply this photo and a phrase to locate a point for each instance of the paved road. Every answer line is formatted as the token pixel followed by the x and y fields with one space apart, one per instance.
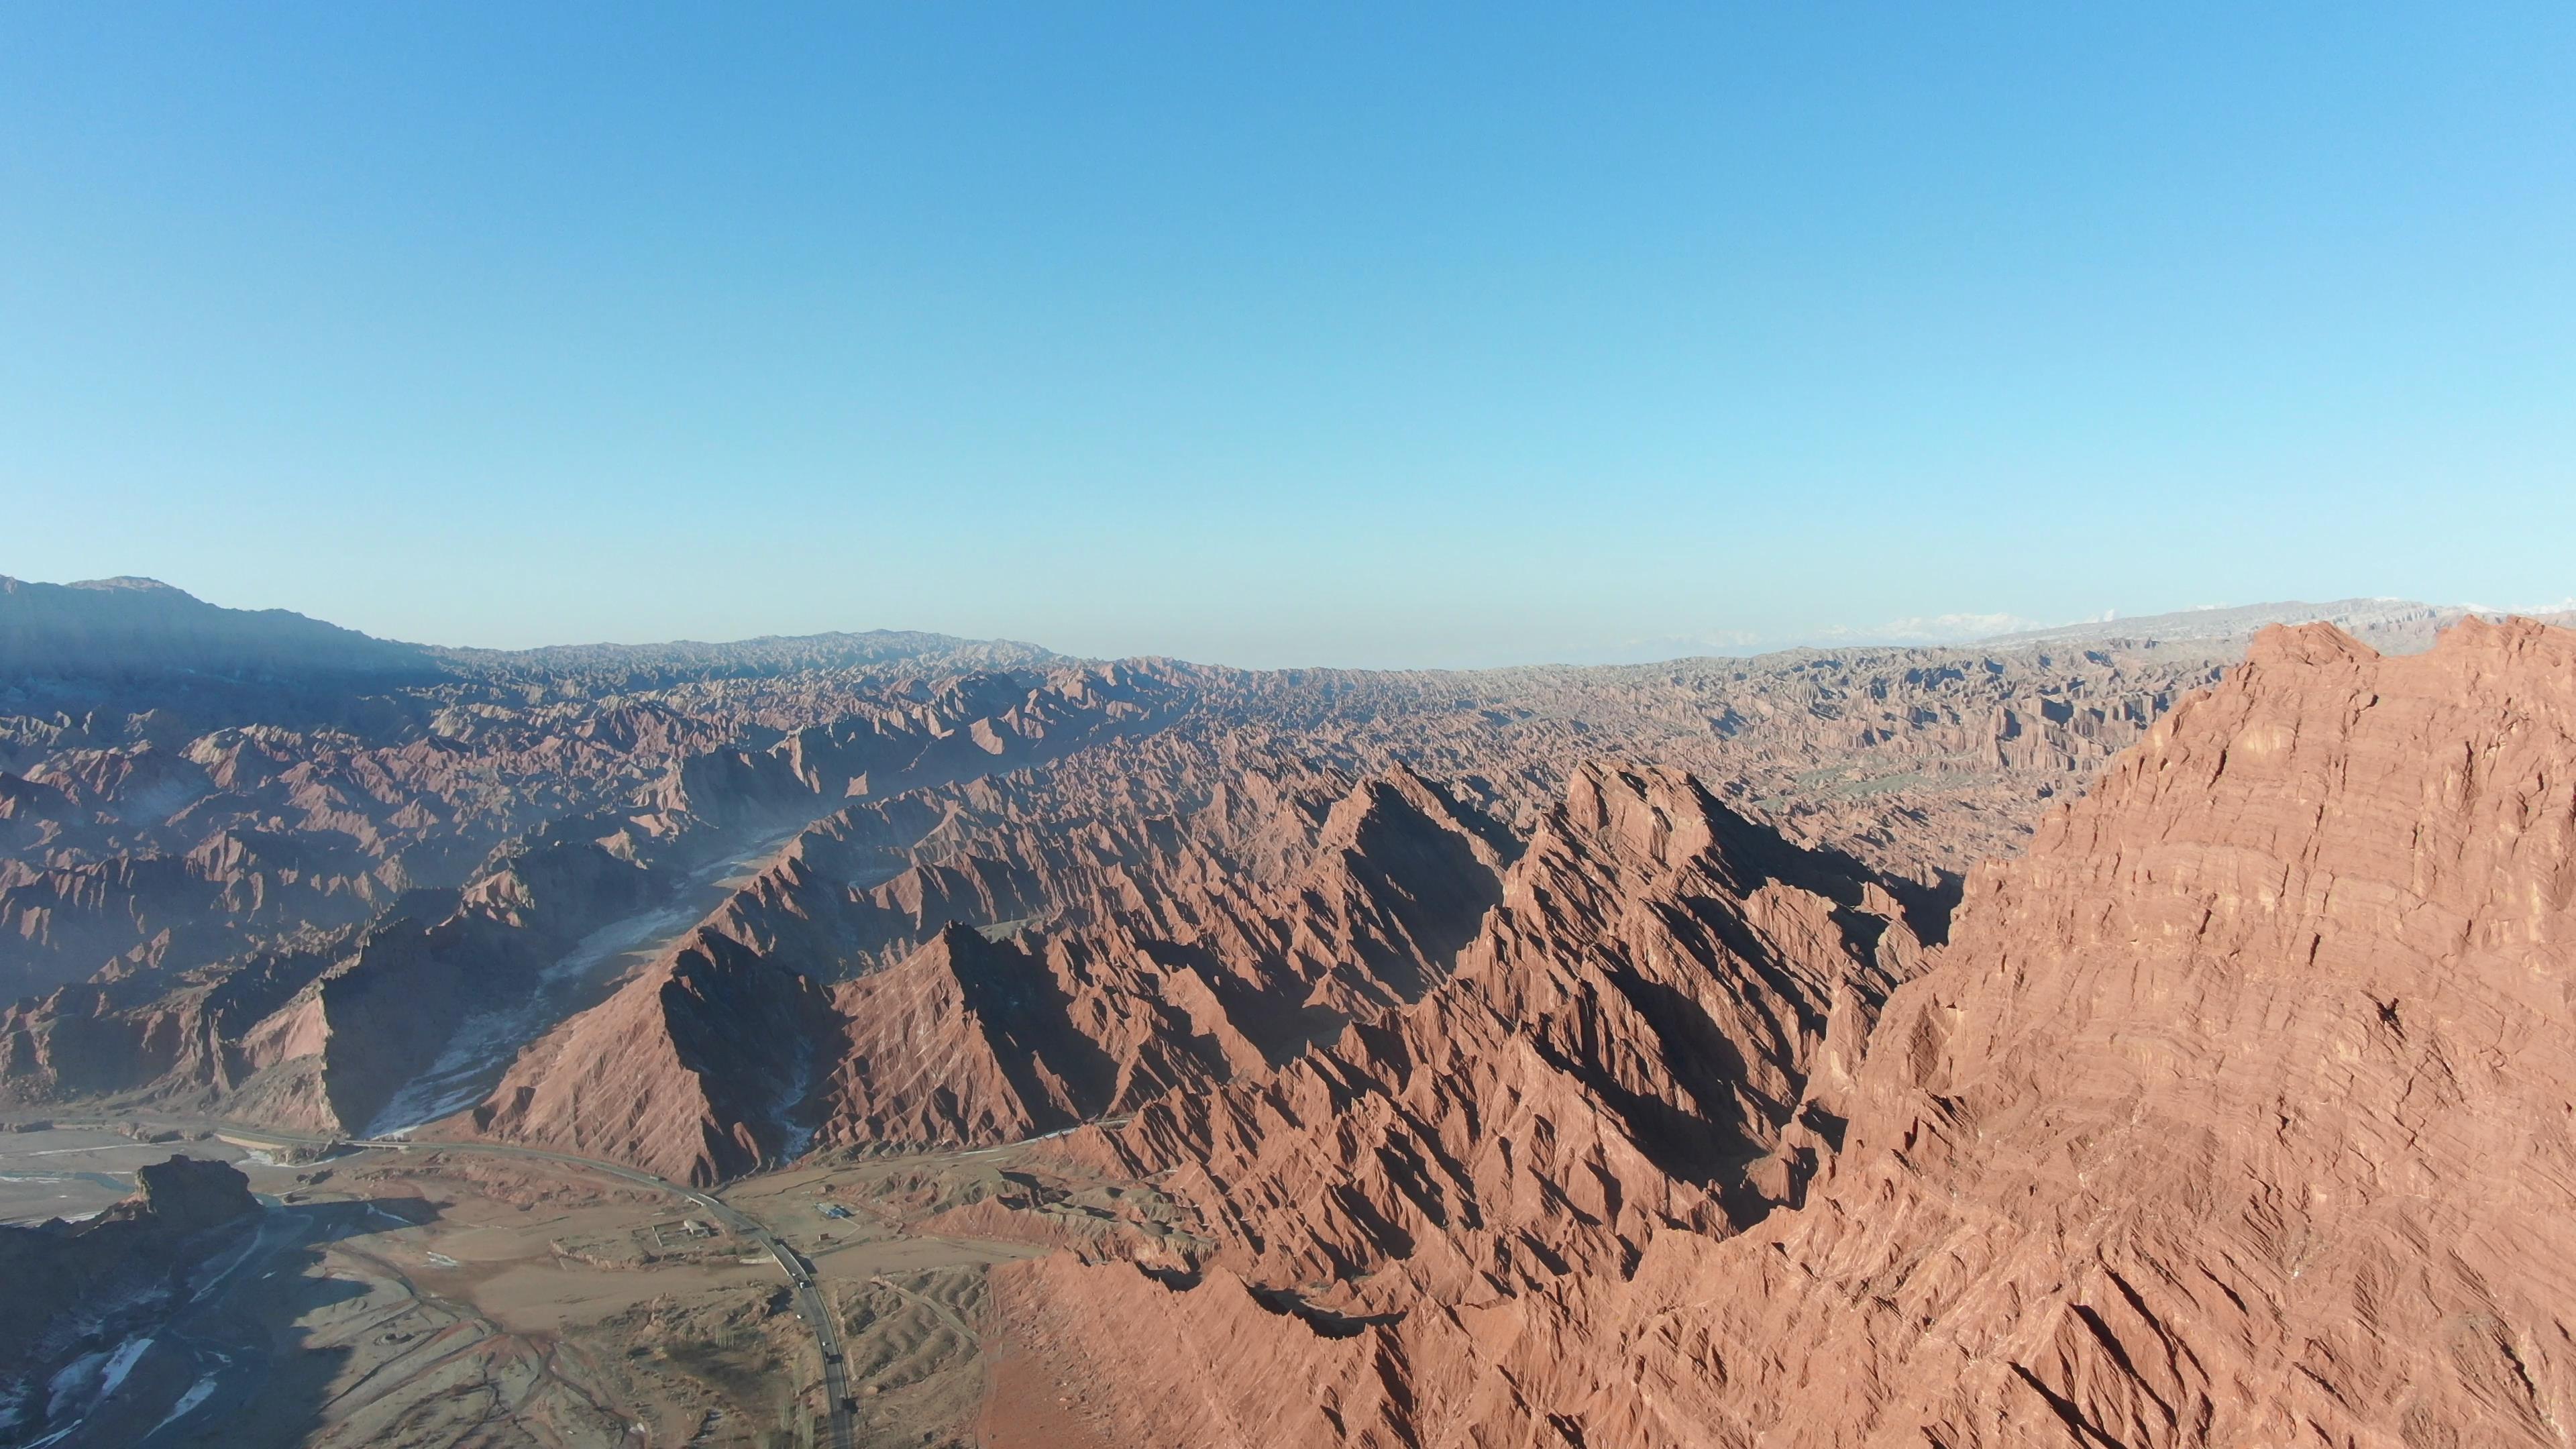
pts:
pixel 810 1302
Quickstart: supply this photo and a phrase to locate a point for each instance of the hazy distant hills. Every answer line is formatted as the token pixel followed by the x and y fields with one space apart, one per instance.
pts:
pixel 2389 625
pixel 769 654
pixel 131 629
pixel 134 629
pixel 125 628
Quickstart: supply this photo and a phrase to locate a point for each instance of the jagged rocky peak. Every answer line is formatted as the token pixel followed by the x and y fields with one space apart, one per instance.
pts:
pixel 1399 797
pixel 1124 944
pixel 695 1069
pixel 2236 1111
pixel 967 1041
pixel 1654 816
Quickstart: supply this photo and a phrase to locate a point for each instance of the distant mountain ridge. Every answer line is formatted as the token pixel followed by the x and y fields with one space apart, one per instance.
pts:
pixel 129 628
pixel 2401 626
pixel 132 627
pixel 769 653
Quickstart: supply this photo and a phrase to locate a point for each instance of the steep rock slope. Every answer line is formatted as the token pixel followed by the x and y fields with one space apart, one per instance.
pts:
pixel 1627 1045
pixel 2238 1112
pixel 1181 951
pixel 968 1040
pixel 695 1070
pixel 1646 1039
pixel 1189 836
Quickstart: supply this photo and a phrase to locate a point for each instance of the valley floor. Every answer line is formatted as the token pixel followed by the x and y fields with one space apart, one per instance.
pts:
pixel 428 1297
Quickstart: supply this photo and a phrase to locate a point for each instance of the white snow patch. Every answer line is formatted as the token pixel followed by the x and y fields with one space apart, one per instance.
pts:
pixel 127 1356
pixel 72 1381
pixel 198 1392
pixel 89 1380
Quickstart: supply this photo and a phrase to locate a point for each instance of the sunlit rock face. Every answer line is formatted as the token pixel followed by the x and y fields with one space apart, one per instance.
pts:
pixel 2237 1111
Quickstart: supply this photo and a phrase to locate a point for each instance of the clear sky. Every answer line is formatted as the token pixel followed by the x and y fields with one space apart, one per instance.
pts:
pixel 1290 334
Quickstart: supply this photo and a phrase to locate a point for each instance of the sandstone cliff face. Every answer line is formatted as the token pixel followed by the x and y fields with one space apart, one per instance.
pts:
pixel 2237 1112
pixel 969 1040
pixel 1633 1047
pixel 2249 1088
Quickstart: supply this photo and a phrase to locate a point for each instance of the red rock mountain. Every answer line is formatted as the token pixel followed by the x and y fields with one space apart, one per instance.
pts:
pixel 2241 1110
pixel 1190 944
pixel 1506 1095
pixel 332 991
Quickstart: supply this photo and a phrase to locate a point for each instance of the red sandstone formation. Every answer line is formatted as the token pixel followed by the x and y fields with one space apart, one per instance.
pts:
pixel 1179 950
pixel 1186 904
pixel 2236 1112
pixel 1627 1046
pixel 692 1071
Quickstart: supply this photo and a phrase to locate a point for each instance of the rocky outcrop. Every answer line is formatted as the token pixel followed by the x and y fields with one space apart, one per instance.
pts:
pixel 2236 1112
pixel 185 1195
pixel 69 1281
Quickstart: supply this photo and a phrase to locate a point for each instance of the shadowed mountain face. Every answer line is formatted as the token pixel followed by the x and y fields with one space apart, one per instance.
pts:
pixel 67 1280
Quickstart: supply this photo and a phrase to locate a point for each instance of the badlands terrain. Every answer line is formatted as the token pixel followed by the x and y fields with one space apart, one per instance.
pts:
pixel 2147 1033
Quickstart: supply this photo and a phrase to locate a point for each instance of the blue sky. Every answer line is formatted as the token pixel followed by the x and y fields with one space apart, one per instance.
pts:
pixel 1319 334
